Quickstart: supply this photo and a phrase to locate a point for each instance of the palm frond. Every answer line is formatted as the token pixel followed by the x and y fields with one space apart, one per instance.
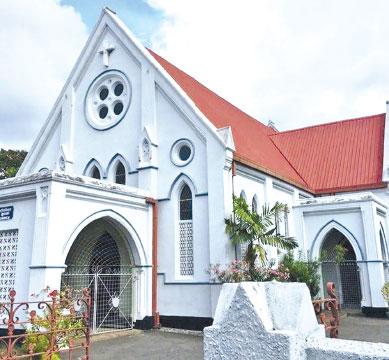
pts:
pixel 247 226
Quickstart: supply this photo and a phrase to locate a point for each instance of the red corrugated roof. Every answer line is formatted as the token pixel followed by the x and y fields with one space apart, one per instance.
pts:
pixel 333 157
pixel 339 156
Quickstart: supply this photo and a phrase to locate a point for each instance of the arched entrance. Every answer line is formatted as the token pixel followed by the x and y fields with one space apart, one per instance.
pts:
pixel 100 259
pixel 339 265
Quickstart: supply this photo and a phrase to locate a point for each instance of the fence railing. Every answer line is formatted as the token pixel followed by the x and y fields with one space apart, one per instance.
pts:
pixel 327 311
pixel 50 329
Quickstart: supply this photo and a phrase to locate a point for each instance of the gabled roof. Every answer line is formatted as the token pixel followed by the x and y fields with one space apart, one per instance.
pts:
pixel 251 137
pixel 334 157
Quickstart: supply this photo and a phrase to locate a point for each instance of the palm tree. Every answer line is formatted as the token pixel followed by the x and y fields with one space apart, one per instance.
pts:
pixel 257 229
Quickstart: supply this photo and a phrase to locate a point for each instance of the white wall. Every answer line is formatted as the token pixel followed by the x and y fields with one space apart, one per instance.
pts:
pixel 24 203
pixel 267 190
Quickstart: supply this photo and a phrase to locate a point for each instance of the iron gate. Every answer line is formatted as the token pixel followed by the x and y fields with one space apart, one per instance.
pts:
pixel 346 277
pixel 112 295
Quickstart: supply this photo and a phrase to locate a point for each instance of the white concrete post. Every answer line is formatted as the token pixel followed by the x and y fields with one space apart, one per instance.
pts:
pixel 276 321
pixel 374 265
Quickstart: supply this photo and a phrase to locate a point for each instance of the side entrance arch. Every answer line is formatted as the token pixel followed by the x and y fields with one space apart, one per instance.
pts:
pixel 339 265
pixel 100 259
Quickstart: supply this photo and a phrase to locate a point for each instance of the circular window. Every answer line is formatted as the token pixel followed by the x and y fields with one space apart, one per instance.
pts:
pixel 103 112
pixel 182 152
pixel 118 108
pixel 185 152
pixel 107 100
pixel 104 93
pixel 118 90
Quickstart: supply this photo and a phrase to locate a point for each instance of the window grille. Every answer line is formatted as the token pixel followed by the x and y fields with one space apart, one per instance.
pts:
pixel 96 173
pixel 186 232
pixel 8 251
pixel 120 176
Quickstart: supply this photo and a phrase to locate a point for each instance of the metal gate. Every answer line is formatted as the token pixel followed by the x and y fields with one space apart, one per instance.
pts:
pixel 345 275
pixel 112 295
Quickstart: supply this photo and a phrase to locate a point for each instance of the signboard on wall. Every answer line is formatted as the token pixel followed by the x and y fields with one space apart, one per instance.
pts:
pixel 6 213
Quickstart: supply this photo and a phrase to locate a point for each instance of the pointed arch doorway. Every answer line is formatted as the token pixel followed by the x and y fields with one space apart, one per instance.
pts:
pixel 101 260
pixel 339 265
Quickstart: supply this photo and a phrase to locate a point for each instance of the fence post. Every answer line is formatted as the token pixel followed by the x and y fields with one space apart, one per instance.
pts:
pixel 330 304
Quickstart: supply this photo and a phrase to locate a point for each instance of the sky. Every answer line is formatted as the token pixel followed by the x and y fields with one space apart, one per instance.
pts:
pixel 296 63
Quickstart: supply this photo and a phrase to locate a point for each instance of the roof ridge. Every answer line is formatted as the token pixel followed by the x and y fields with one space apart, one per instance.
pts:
pixel 327 124
pixel 291 165
pixel 213 92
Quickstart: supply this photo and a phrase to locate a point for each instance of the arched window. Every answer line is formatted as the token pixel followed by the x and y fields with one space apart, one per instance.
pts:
pixel 243 195
pixel 254 205
pixel 186 232
pixel 95 173
pixel 120 174
pixel 282 223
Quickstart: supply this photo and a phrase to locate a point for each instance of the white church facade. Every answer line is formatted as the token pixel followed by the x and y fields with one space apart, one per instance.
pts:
pixel 127 186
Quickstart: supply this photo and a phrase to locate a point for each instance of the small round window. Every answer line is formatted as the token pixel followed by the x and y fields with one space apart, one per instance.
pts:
pixel 185 152
pixel 107 100
pixel 182 152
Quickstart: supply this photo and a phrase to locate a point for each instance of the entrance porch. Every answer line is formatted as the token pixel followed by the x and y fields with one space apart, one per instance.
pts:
pixel 81 232
pixel 344 232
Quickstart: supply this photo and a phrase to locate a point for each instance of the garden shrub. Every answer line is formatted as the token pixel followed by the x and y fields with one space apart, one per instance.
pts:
pixel 385 291
pixel 302 271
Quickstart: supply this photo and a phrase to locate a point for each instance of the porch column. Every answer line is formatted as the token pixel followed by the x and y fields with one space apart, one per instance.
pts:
pixel 374 266
pixel 44 271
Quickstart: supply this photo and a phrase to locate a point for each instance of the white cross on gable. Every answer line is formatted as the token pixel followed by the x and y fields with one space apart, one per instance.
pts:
pixel 106 51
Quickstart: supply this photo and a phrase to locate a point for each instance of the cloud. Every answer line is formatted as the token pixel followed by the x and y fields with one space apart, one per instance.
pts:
pixel 295 62
pixel 40 41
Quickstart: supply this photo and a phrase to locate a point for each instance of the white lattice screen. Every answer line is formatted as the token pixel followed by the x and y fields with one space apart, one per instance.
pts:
pixel 8 251
pixel 186 248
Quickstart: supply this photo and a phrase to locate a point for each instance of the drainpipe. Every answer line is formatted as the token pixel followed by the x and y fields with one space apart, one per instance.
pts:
pixel 154 277
pixel 233 173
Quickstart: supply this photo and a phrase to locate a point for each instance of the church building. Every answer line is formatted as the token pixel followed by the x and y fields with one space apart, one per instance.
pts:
pixel 127 186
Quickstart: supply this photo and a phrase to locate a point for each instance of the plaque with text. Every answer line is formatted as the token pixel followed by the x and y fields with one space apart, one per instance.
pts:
pixel 6 213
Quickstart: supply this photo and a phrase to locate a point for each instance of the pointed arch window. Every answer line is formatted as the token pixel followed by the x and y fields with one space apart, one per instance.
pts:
pixel 95 173
pixel 243 195
pixel 254 205
pixel 120 174
pixel 186 231
pixel 282 222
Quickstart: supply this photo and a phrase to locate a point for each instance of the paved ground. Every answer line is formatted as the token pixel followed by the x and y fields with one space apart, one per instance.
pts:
pixel 158 345
pixel 150 345
pixel 359 327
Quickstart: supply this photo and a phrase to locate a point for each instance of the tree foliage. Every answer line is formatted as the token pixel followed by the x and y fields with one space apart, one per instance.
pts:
pixel 257 230
pixel 10 162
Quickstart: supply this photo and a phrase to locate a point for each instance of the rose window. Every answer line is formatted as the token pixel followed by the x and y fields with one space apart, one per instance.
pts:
pixel 107 100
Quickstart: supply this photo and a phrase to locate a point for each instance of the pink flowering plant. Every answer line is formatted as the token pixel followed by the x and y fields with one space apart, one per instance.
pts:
pixel 240 270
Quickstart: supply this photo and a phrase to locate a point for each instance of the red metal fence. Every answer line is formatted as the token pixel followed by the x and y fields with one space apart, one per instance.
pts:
pixel 52 329
pixel 327 311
